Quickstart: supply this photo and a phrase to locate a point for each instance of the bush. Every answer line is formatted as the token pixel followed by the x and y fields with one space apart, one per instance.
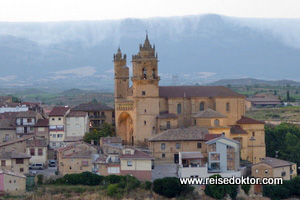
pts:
pixel 148 185
pixel 220 191
pixel 114 191
pixel 84 178
pixel 246 188
pixel 40 178
pixel 132 182
pixel 112 179
pixel 168 187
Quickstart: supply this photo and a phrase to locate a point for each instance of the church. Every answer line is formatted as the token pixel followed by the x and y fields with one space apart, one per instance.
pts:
pixel 146 109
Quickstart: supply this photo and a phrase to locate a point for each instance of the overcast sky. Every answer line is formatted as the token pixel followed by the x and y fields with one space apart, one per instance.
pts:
pixel 61 10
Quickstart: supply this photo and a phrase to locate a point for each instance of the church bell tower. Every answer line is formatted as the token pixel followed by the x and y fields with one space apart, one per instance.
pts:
pixel 121 76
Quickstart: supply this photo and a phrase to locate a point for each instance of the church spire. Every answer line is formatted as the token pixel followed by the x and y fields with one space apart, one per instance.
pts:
pixel 147 45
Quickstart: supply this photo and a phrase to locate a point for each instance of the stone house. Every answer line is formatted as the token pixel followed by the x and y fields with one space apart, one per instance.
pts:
pixel 12 183
pixel 37 149
pixel 15 161
pixel 274 168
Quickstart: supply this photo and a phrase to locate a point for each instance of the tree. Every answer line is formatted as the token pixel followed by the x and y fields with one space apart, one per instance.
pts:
pixel 94 101
pixel 95 135
pixel 288 96
pixel 275 92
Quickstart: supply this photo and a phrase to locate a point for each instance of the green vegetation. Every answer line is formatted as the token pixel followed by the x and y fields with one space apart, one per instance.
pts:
pixel 286 190
pixel 284 138
pixel 85 178
pixel 246 188
pixel 170 187
pixel 220 191
pixel 282 113
pixel 95 135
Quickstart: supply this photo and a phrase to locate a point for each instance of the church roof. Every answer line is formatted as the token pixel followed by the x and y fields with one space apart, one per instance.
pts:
pixel 197 91
pixel 209 113
pixel 247 120
pixel 167 115
pixel 181 134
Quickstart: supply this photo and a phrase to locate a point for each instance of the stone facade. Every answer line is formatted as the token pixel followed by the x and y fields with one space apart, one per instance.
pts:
pixel 146 108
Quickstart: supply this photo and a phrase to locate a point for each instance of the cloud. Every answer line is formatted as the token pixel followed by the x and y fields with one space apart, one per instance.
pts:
pixel 78 72
pixel 8 78
pixel 205 74
pixel 110 71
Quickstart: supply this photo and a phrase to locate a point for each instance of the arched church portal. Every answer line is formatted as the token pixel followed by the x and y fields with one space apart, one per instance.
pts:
pixel 126 128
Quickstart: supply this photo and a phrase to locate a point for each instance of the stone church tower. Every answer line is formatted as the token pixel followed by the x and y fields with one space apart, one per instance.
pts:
pixel 137 107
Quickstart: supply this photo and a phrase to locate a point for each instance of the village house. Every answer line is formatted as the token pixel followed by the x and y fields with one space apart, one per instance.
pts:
pixel 37 149
pixel 107 164
pixel 57 126
pixel 274 168
pixel 98 114
pixel 12 183
pixel 15 161
pixel 223 157
pixel 25 122
pixel 77 124
pixel 76 158
pixel 12 107
pixel 110 140
pixel 146 109
pixel 5 99
pixel 136 163
pixel 18 144
pixel 41 129
pixel 7 126
pixel 165 146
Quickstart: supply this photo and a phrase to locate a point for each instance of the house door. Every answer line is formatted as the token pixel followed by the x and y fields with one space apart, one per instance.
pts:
pixel 176 158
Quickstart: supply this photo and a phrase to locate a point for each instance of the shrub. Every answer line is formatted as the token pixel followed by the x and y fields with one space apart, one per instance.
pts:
pixel 148 185
pixel 84 178
pixel 114 191
pixel 219 191
pixel 40 178
pixel 246 188
pixel 112 179
pixel 132 182
pixel 168 187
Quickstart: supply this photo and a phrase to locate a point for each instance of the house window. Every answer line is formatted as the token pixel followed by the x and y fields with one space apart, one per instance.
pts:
pixel 54 135
pixel 163 155
pixel 19 161
pixel 3 163
pixel 52 127
pixel 143 93
pixel 253 134
pixel 202 106
pixel 163 146
pixel 177 145
pixel 145 110
pixel 215 157
pixel 127 152
pixel 129 163
pixel 32 152
pixel 144 73
pixel 168 124
pixel 59 135
pixel 283 173
pixel 40 152
pixel 256 171
pixel 59 119
pixel 53 119
pixel 29 120
pixel 21 169
pixel 199 145
pixel 113 114
pixel 179 108
pixel 60 128
pixel 216 122
pixel 145 122
pixel 227 107
pixel 266 171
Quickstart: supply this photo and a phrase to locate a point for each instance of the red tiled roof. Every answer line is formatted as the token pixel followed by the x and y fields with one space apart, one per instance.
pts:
pixel 274 162
pixel 76 114
pixel 191 155
pixel 209 113
pixel 16 140
pixel 92 107
pixel 208 137
pixel 26 114
pixel 36 143
pixel 59 111
pixel 137 155
pixel 105 140
pixel 167 115
pixel 42 123
pixel 247 120
pixel 197 91
pixel 237 130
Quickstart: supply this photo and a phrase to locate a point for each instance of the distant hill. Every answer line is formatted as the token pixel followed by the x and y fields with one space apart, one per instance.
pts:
pixel 253 81
pixel 196 49
pixel 30 91
pixel 73 92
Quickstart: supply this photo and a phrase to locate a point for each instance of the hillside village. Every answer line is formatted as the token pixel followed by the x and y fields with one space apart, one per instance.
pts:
pixel 154 132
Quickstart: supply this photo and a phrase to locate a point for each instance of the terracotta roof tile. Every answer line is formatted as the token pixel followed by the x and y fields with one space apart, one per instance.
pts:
pixel 105 140
pixel 14 155
pixel 197 91
pixel 188 134
pixel 190 155
pixel 42 123
pixel 247 120
pixel 235 129
pixel 274 162
pixel 28 113
pixel 21 139
pixel 92 107
pixel 59 111
pixel 36 143
pixel 137 155
pixel 208 137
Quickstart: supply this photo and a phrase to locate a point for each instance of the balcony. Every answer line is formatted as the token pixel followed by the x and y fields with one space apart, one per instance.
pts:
pixel 126 105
